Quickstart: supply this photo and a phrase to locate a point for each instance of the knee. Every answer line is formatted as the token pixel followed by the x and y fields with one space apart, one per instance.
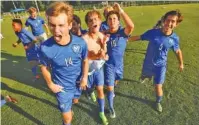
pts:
pixel 67 117
pixel 75 101
pixel 100 92
pixel 110 88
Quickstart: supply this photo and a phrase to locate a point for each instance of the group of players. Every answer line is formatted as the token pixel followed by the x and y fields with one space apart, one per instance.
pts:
pixel 73 59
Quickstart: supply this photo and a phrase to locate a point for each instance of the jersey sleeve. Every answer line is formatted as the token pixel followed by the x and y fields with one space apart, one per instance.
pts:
pixel 84 51
pixel 42 21
pixel 176 46
pixel 122 33
pixel 147 35
pixel 42 58
pixel 27 23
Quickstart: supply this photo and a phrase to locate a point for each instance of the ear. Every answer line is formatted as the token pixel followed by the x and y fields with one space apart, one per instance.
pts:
pixel 70 25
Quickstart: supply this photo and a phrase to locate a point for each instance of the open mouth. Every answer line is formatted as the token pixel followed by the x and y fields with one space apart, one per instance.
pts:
pixel 94 26
pixel 57 37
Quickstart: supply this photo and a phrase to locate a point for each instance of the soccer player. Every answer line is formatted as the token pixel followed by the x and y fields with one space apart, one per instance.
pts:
pixel 36 23
pixel 96 42
pixel 28 41
pixel 66 54
pixel 76 27
pixel 161 40
pixel 116 48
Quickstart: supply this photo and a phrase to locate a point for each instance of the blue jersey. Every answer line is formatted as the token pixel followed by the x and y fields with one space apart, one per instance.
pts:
pixel 83 31
pixel 104 26
pixel 159 45
pixel 116 47
pixel 65 60
pixel 26 38
pixel 36 25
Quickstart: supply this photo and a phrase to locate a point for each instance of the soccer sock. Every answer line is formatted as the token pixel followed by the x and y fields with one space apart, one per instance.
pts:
pixel 34 70
pixel 158 99
pixel 101 103
pixel 110 97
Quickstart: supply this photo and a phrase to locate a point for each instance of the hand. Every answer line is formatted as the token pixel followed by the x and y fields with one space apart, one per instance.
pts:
pixel 14 44
pixel 26 47
pixel 106 38
pixel 181 67
pixel 55 88
pixel 117 7
pixel 83 83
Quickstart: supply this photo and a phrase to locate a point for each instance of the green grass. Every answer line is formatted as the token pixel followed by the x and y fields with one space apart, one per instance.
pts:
pixel 134 102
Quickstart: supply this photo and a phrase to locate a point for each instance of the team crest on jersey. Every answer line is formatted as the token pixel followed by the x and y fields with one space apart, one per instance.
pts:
pixel 76 48
pixel 170 41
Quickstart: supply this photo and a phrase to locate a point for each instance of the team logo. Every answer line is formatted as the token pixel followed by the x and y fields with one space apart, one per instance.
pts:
pixel 76 48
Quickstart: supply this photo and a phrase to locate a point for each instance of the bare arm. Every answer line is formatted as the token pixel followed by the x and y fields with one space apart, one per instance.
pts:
pixel 47 76
pixel 127 20
pixel 180 59
pixel 84 79
pixel 134 38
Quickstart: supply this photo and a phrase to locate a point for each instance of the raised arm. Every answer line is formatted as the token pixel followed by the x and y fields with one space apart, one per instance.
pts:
pixel 129 26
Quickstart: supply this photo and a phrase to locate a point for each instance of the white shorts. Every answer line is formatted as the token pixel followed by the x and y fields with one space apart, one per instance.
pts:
pixel 43 37
pixel 95 65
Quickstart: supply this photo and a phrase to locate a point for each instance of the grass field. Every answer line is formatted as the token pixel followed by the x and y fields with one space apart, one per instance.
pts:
pixel 134 102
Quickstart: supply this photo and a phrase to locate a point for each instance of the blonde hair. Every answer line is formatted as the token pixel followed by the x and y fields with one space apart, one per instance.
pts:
pixel 60 7
pixel 32 10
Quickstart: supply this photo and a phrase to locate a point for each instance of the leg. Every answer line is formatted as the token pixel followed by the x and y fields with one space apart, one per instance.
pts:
pixel 65 105
pixel 34 66
pixel 159 80
pixel 99 82
pixel 67 117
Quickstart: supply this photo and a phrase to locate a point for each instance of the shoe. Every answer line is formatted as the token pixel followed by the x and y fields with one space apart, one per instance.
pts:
pixel 112 113
pixel 93 97
pixel 103 118
pixel 158 107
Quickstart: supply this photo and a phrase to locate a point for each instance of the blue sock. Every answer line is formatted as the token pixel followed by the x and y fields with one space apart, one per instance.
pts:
pixel 158 99
pixel 34 70
pixel 101 103
pixel 110 98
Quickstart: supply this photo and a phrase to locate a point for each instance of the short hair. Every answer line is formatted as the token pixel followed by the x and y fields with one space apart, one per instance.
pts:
pixel 17 21
pixel 113 12
pixel 174 13
pixel 90 13
pixel 76 19
pixel 32 10
pixel 60 7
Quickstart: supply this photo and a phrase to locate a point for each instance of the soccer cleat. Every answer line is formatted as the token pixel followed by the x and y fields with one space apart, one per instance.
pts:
pixel 112 113
pixel 158 107
pixel 103 118
pixel 93 97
